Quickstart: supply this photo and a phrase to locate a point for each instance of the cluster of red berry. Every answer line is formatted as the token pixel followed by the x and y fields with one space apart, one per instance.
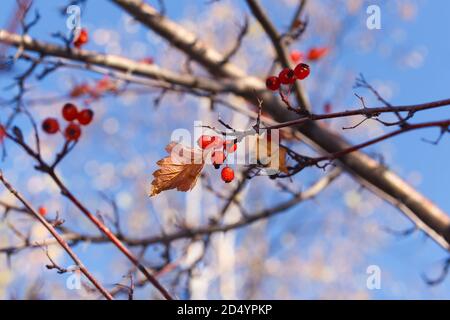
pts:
pixel 81 39
pixel 221 149
pixel 288 76
pixel 70 113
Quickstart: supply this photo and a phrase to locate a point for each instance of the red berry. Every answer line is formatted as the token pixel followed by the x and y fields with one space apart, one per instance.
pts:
pixel 50 125
pixel 42 210
pixel 72 132
pixel 273 83
pixel 296 56
pixel 218 157
pixel 287 76
pixel 69 111
pixel 82 38
pixel 85 116
pixel 227 174
pixel 302 71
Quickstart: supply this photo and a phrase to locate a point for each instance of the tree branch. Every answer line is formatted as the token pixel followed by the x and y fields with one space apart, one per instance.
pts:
pixel 122 64
pixel 50 170
pixel 368 112
pixel 195 233
pixel 57 237
pixel 280 49
pixel 366 170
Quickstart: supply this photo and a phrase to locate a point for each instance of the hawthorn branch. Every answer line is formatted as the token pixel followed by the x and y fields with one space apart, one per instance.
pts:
pixel 444 125
pixel 441 277
pixel 308 194
pixel 130 67
pixel 297 26
pixel 242 33
pixel 122 64
pixel 57 237
pixel 361 82
pixel 127 78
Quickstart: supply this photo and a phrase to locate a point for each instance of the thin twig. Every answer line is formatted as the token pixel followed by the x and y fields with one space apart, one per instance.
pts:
pixel 57 237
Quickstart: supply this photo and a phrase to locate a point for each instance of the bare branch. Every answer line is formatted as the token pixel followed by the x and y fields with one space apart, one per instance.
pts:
pixel 367 112
pixel 240 38
pixel 57 237
pixel 115 62
pixel 366 170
